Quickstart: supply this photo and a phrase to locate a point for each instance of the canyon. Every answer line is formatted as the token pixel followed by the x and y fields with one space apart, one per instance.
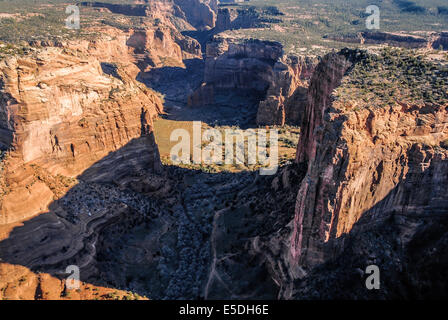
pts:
pixel 259 69
pixel 83 182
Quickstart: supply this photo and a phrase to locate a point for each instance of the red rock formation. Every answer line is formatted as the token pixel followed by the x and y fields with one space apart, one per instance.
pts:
pixel 356 158
pixel 198 13
pixel 63 111
pixel 260 67
pixel 234 18
pixel 291 76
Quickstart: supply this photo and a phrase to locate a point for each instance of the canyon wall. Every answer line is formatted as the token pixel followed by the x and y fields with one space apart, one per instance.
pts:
pixel 404 234
pixel 63 109
pixel 260 68
pixel 360 160
pixel 234 18
pixel 229 65
pixel 160 47
pixel 200 14
pixel 440 41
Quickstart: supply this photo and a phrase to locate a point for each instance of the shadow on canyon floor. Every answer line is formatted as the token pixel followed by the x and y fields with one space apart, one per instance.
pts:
pixel 230 107
pixel 183 234
pixel 201 36
pixel 127 227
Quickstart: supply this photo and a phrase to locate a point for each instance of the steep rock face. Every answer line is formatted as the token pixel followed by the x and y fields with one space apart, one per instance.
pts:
pixel 154 47
pixel 200 13
pixel 441 41
pixel 63 111
pixel 146 48
pixel 356 159
pixel 291 77
pixel 261 69
pixel 232 18
pixel 405 235
pixel 230 64
pixel 140 8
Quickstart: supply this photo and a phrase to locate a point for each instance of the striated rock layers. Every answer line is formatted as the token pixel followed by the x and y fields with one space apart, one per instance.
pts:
pixel 441 41
pixel 367 166
pixel 259 68
pixel 160 47
pixel 61 111
pixel 234 18
pixel 368 188
pixel 286 97
pixel 200 14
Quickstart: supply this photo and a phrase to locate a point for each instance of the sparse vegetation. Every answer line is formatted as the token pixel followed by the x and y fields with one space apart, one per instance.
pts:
pixel 305 23
pixel 394 75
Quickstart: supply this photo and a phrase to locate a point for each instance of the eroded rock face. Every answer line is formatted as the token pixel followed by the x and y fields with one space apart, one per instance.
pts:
pixel 405 235
pixel 368 188
pixel 291 77
pixel 358 161
pixel 63 111
pixel 154 47
pixel 200 13
pixel 260 68
pixel 233 18
pixel 231 65
pixel 441 41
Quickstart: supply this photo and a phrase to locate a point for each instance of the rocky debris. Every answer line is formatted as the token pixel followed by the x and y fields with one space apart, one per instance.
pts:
pixel 200 13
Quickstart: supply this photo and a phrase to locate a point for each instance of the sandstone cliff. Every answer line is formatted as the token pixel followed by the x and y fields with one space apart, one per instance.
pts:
pixel 286 97
pixel 230 64
pixel 364 162
pixel 260 68
pixel 367 188
pixel 200 14
pixel 234 18
pixel 63 110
